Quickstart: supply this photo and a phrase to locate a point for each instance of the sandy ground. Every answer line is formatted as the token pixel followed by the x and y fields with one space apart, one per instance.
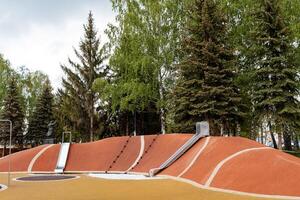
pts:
pixel 90 188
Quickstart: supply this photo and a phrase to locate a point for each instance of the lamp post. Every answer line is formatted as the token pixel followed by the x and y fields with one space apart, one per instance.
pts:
pixel 63 136
pixel 10 138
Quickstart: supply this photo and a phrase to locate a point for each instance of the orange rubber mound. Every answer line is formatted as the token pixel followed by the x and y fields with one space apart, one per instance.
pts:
pixel 21 160
pixel 163 148
pixel 95 156
pixel 47 161
pixel 218 149
pixel 184 161
pixel 129 155
pixel 266 171
pixel 231 164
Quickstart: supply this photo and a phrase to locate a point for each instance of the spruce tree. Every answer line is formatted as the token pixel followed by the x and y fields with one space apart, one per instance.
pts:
pixel 205 89
pixel 41 117
pixel 12 111
pixel 275 73
pixel 79 80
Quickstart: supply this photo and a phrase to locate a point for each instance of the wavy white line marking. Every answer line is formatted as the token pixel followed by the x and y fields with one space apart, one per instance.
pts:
pixel 198 185
pixel 30 166
pixel 220 165
pixel 195 158
pixel 142 148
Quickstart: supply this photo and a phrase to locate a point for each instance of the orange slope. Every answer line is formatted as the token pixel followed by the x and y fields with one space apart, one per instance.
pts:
pixel 184 161
pixel 21 160
pixel 227 163
pixel 217 149
pixel 266 171
pixel 94 156
pixel 163 147
pixel 129 155
pixel 46 162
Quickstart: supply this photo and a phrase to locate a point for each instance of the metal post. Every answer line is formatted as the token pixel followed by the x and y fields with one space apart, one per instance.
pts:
pixel 70 136
pixel 9 157
pixel 134 132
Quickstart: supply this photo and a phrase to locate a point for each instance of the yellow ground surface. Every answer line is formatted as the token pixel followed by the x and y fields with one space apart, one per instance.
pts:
pixel 88 188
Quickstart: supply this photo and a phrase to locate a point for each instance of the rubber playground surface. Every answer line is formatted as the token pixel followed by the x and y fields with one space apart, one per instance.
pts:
pixel 213 168
pixel 95 189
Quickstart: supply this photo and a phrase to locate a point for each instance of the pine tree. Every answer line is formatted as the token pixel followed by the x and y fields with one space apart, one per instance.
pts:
pixel 80 77
pixel 276 76
pixel 12 111
pixel 41 117
pixel 205 89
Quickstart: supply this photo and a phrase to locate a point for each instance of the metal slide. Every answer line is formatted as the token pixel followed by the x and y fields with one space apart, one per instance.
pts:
pixel 62 158
pixel 202 130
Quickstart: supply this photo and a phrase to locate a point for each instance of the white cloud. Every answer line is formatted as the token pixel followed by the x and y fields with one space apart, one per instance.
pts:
pixel 43 46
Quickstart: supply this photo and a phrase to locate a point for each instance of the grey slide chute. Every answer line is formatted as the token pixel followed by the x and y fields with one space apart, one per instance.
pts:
pixel 202 130
pixel 62 158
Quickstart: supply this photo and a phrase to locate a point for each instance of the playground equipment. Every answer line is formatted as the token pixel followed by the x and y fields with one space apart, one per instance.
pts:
pixel 226 164
pixel 202 130
pixel 62 158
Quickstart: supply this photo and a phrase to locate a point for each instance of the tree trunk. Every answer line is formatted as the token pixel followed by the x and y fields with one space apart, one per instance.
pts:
pixel 142 119
pixel 272 135
pixel 127 123
pixel 134 131
pixel 162 98
pixel 262 134
pixel 234 130
pixel 287 139
pixel 252 131
pixel 92 127
pixel 214 128
pixel 4 149
pixel 280 141
pixel 163 120
pixel 296 141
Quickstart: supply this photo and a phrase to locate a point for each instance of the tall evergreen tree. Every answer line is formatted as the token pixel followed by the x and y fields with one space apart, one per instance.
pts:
pixel 12 111
pixel 205 89
pixel 41 118
pixel 79 81
pixel 276 75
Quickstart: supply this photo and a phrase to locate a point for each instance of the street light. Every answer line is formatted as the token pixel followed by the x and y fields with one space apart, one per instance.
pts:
pixel 10 138
pixel 63 136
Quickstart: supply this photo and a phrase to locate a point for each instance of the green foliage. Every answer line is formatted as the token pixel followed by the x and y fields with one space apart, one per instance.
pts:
pixel 205 89
pixel 12 110
pixel 145 44
pixel 78 99
pixel 5 72
pixel 41 117
pixel 276 85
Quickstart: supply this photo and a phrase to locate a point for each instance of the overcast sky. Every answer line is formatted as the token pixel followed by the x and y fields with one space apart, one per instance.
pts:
pixel 41 34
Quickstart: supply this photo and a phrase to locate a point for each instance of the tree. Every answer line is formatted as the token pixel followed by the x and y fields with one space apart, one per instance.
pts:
pixel 79 81
pixel 32 83
pixel 42 116
pixel 144 43
pixel 12 111
pixel 5 73
pixel 276 75
pixel 205 87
